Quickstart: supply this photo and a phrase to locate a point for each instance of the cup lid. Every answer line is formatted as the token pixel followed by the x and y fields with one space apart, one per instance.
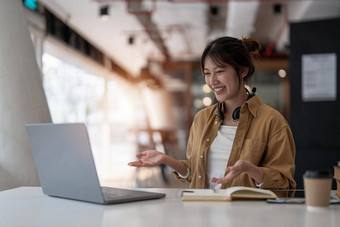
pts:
pixel 317 174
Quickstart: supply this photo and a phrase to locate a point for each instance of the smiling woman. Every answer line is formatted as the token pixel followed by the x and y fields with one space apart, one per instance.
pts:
pixel 227 65
pixel 254 149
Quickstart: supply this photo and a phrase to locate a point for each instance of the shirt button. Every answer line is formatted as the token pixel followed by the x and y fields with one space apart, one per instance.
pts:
pixel 208 140
pixel 201 156
pixel 199 177
pixel 215 122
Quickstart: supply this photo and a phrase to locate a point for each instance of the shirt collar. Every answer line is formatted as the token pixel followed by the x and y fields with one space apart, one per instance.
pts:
pixel 253 104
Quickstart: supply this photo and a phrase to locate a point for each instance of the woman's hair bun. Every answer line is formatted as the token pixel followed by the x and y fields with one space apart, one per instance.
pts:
pixel 252 44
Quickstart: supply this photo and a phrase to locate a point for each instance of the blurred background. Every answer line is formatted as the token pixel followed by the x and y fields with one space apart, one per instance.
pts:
pixel 130 69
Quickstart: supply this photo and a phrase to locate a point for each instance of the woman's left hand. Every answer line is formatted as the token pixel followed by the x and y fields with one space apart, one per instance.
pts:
pixel 232 172
pixel 241 166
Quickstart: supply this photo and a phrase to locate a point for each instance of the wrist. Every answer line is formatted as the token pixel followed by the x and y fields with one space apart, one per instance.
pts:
pixel 255 172
pixel 176 165
pixel 165 159
pixel 248 167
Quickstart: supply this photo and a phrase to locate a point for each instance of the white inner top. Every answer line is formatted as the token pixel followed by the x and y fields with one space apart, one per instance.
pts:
pixel 219 152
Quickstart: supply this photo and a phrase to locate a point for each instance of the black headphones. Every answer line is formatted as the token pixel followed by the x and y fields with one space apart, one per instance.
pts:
pixel 236 113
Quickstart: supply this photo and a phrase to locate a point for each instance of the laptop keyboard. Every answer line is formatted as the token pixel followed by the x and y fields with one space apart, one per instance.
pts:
pixel 117 195
pixel 116 191
pixel 112 193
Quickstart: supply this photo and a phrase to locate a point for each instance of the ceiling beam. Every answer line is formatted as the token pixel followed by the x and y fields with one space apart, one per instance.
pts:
pixel 145 18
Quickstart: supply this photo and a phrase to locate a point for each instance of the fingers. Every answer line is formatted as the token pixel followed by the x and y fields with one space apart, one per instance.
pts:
pixel 141 163
pixel 220 180
pixel 231 174
pixel 138 163
pixel 214 179
pixel 133 164
pixel 141 154
pixel 148 158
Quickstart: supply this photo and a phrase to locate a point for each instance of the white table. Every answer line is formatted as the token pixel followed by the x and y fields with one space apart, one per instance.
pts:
pixel 28 206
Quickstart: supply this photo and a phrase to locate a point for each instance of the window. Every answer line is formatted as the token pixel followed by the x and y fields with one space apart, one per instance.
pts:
pixel 110 109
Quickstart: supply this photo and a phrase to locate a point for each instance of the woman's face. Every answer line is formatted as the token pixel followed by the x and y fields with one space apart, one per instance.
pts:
pixel 222 80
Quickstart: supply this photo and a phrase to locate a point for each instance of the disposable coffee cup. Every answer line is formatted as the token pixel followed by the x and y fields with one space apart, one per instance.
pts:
pixel 318 186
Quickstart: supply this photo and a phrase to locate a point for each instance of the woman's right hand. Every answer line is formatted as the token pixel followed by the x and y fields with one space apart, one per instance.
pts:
pixel 148 159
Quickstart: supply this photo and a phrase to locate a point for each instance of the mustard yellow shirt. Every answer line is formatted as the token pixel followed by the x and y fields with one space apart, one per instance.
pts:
pixel 263 137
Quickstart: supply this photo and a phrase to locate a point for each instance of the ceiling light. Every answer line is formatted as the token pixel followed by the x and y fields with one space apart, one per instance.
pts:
pixel 277 8
pixel 104 12
pixel 214 10
pixel 282 73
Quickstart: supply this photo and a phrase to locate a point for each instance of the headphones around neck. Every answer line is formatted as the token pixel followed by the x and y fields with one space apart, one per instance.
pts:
pixel 236 113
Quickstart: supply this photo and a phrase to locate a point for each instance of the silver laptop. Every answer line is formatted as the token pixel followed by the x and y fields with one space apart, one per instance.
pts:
pixel 66 167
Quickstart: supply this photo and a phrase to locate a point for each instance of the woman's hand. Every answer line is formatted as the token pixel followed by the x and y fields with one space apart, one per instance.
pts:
pixel 152 158
pixel 241 166
pixel 148 159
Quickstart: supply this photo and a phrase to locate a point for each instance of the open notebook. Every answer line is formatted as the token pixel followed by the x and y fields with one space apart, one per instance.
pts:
pixel 233 193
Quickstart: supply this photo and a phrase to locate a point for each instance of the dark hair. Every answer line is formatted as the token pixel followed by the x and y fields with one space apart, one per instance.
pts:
pixel 235 52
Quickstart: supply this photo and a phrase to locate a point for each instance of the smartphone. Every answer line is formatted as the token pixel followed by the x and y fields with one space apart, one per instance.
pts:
pixel 299 198
pixel 287 200
pixel 295 196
